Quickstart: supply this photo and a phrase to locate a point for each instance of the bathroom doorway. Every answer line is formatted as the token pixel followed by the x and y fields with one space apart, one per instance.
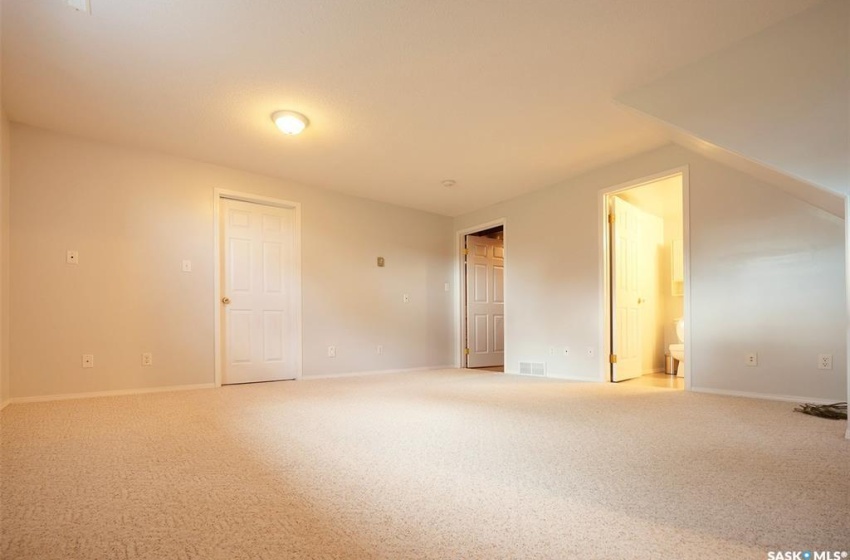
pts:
pixel 644 281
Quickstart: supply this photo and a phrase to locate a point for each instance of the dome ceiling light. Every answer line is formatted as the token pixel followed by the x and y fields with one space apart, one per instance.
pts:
pixel 290 122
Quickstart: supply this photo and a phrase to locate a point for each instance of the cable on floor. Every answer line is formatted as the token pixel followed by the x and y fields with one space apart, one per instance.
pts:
pixel 835 411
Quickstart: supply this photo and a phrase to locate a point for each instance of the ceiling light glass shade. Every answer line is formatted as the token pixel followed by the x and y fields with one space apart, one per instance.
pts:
pixel 290 122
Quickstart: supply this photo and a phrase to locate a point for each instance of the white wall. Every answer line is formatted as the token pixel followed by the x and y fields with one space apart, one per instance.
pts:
pixel 134 216
pixel 778 97
pixel 766 276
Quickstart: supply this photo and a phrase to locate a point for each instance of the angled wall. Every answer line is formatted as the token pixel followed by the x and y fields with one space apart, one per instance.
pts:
pixel 779 98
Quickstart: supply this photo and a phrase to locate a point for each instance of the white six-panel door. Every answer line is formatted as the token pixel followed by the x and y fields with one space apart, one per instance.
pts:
pixel 258 282
pixel 485 301
pixel 625 289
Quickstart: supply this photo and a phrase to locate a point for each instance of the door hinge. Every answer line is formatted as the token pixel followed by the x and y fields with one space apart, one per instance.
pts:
pixel 611 218
pixel 612 358
pixel 466 351
pixel 464 252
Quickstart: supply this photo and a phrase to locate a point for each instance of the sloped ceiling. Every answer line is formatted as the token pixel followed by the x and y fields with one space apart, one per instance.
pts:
pixel 780 99
pixel 502 96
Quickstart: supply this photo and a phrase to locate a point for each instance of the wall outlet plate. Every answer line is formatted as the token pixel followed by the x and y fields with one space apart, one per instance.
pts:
pixel 591 351
pixel 566 350
pixel 147 359
pixel 88 360
pixel 72 257
pixel 379 350
pixel 824 361
pixel 331 351
pixel 187 265
pixel 751 359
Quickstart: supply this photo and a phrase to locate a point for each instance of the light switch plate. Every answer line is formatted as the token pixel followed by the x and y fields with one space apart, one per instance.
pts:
pixel 72 257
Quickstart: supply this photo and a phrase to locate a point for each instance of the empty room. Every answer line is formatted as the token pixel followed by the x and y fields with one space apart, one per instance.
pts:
pixel 542 279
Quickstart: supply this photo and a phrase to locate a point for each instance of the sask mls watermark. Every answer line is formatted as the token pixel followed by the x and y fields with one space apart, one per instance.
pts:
pixel 807 555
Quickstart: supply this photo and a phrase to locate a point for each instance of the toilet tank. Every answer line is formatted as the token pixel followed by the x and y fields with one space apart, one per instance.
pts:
pixel 680 329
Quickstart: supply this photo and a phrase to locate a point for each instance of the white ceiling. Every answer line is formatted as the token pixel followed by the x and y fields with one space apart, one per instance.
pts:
pixel 504 96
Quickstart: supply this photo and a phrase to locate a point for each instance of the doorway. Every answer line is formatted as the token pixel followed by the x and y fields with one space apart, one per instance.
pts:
pixel 258 289
pixel 482 289
pixel 645 281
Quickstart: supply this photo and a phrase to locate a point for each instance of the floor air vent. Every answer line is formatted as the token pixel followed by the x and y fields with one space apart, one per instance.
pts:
pixel 532 368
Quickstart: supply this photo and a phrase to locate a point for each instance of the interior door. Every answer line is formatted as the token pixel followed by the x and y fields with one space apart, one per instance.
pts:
pixel 258 277
pixel 625 290
pixel 485 301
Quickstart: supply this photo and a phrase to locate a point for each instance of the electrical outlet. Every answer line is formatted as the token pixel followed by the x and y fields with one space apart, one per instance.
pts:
pixel 551 350
pixel 591 351
pixel 72 257
pixel 331 351
pixel 147 359
pixel 379 350
pixel 824 361
pixel 88 360
pixel 187 266
pixel 751 359
pixel 405 298
pixel 566 351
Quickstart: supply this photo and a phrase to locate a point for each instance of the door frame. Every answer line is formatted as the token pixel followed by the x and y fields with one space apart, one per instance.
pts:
pixel 605 272
pixel 460 288
pixel 218 346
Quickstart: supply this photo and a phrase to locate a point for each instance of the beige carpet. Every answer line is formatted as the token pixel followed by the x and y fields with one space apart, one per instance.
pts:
pixel 449 464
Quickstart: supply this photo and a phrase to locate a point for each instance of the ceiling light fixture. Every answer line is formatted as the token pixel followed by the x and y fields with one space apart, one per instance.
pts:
pixel 449 183
pixel 290 122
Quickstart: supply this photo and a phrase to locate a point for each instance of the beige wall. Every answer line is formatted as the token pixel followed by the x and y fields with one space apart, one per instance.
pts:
pixel 767 276
pixel 4 246
pixel 5 167
pixel 134 216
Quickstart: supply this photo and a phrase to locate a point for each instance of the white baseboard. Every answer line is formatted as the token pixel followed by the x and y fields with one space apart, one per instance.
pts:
pixel 372 372
pixel 122 392
pixel 558 376
pixel 764 396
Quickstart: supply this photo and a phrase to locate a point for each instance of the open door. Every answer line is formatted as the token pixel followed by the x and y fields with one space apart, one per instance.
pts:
pixel 259 283
pixel 624 236
pixel 485 302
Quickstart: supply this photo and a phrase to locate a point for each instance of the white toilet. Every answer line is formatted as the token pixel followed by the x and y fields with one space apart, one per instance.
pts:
pixel 678 350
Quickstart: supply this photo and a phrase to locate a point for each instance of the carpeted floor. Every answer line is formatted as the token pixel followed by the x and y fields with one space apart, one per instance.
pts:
pixel 448 464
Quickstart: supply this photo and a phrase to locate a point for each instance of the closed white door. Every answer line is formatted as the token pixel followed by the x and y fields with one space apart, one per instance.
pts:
pixel 625 290
pixel 259 283
pixel 485 301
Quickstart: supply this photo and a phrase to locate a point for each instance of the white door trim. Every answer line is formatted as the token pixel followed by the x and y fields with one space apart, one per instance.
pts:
pixel 605 307
pixel 296 292
pixel 460 288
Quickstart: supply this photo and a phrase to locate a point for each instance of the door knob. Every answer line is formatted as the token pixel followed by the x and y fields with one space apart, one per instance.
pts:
pixel 225 300
pixel 641 300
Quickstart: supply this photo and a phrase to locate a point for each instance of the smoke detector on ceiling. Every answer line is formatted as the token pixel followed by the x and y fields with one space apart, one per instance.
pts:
pixel 80 5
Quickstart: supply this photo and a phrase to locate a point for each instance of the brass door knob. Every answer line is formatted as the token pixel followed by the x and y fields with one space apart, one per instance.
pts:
pixel 225 300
